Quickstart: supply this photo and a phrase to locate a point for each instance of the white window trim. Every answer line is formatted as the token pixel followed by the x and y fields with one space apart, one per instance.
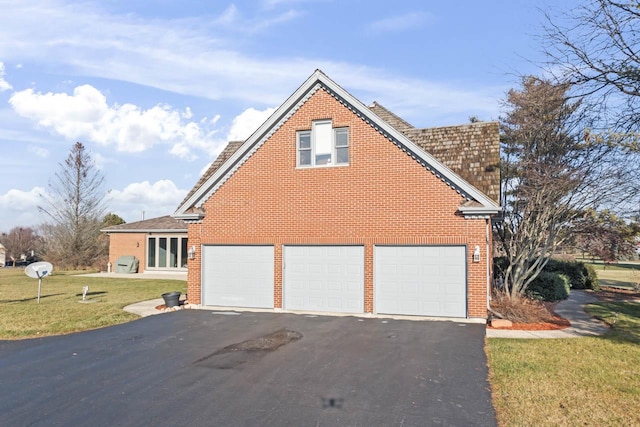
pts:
pixel 179 255
pixel 334 149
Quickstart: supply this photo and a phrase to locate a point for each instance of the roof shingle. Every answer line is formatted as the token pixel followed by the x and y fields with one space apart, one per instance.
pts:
pixel 472 150
pixel 163 223
pixel 227 152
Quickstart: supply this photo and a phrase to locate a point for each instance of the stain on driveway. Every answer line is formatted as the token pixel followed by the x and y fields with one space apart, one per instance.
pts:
pixel 237 354
pixel 199 367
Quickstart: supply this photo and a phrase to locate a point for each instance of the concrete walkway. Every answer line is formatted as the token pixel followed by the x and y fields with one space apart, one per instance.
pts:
pixel 572 309
pixel 145 308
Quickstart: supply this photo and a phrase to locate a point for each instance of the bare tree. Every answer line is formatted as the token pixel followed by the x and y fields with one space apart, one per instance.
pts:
pixel 20 241
pixel 605 235
pixel 550 173
pixel 596 47
pixel 74 205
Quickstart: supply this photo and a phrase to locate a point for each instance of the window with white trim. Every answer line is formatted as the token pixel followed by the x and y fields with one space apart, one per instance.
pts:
pixel 166 252
pixel 323 145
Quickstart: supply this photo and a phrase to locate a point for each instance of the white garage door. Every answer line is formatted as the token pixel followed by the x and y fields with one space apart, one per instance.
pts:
pixel 238 276
pixel 324 278
pixel 420 280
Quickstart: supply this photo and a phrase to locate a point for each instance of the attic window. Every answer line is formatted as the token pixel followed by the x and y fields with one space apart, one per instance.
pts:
pixel 323 145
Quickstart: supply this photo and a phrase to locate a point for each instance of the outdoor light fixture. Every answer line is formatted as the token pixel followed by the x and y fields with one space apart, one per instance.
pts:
pixel 476 254
pixel 192 252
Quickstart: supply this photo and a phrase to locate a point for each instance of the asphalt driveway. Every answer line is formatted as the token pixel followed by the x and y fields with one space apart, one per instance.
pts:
pixel 204 368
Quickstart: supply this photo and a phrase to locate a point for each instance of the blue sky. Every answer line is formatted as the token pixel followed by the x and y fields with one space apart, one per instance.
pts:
pixel 154 89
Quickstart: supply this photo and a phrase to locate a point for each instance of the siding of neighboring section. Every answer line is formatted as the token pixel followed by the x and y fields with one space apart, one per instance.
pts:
pixel 128 244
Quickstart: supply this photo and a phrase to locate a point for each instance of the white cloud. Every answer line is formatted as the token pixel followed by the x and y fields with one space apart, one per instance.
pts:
pixel 157 199
pixel 202 59
pixel 85 115
pixel 21 200
pixel 4 85
pixel 38 151
pixel 229 16
pixel 19 208
pixel 247 122
pixel 400 23
pixel 280 19
pixel 101 161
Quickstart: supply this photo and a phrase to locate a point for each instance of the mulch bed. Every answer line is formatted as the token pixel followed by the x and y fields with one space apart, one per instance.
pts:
pixel 556 323
pixel 540 316
pixel 559 322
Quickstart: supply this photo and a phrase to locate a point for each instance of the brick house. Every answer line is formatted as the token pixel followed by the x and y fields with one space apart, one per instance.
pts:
pixel 333 206
pixel 159 244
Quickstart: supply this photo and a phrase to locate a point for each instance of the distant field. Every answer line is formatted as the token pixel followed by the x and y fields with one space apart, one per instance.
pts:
pixel 624 274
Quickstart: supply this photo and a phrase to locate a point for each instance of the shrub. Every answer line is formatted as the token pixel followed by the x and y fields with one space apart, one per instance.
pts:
pixel 549 286
pixel 591 281
pixel 573 270
pixel 580 275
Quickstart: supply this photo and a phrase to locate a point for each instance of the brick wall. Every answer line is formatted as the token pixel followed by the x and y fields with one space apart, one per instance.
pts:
pixel 471 150
pixel 127 244
pixel 382 197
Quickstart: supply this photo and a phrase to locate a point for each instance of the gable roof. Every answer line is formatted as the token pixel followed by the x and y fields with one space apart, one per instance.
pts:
pixel 471 150
pixel 190 209
pixel 391 118
pixel 166 224
pixel 231 148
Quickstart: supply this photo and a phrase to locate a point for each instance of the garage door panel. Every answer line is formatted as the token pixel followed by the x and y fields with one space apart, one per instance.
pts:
pixel 324 278
pixel 314 285
pixel 334 269
pixel 420 280
pixel 354 286
pixel 407 288
pixel 239 276
pixel 334 286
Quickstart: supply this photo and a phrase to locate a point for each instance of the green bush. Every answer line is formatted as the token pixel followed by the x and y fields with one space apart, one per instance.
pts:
pixel 581 275
pixel 592 277
pixel 549 286
pixel 572 269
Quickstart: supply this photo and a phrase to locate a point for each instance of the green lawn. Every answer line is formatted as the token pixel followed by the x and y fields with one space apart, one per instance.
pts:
pixel 585 381
pixel 571 382
pixel 621 275
pixel 60 310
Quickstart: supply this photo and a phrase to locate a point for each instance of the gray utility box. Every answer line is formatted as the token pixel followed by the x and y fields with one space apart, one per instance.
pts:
pixel 126 264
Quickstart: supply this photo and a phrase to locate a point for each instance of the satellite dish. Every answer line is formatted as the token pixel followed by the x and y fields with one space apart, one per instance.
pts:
pixel 38 270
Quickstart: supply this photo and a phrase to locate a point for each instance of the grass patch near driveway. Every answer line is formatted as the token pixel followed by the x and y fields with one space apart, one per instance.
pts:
pixel 60 311
pixel 567 382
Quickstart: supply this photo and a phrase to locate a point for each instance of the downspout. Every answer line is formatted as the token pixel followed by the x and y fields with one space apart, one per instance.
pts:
pixel 487 256
pixel 489 309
